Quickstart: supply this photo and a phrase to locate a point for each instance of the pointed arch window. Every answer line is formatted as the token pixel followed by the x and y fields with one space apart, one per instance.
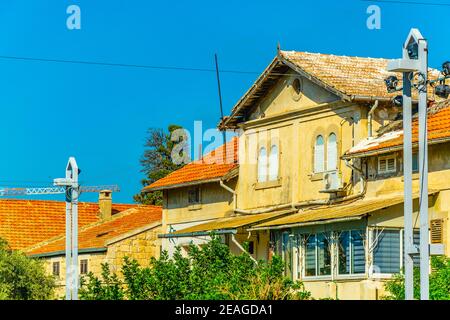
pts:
pixel 262 165
pixel 332 152
pixel 273 163
pixel 319 158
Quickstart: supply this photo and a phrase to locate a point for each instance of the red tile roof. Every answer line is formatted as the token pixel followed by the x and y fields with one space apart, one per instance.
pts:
pixel 24 223
pixel 98 234
pixel 211 166
pixel 438 125
pixel 353 76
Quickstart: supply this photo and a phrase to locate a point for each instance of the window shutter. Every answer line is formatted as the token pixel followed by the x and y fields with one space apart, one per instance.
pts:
pixel 262 165
pixel 273 163
pixel 310 256
pixel 359 252
pixel 382 165
pixel 437 231
pixel 319 155
pixel 331 152
pixel 416 241
pixel 391 164
pixel 386 255
pixel 386 164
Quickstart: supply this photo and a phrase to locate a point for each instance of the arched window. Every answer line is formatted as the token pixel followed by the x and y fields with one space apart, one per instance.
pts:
pixel 262 165
pixel 273 163
pixel 332 152
pixel 319 155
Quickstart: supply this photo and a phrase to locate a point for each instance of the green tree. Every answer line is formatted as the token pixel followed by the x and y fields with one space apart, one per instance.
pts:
pixel 439 282
pixel 21 277
pixel 208 273
pixel 156 161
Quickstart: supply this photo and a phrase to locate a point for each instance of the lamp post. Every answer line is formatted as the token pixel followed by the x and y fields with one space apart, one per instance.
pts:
pixel 415 62
pixel 70 182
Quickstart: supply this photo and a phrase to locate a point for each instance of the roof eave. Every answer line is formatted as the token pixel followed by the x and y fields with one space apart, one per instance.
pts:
pixel 389 149
pixel 181 185
pixel 63 252
pixel 224 124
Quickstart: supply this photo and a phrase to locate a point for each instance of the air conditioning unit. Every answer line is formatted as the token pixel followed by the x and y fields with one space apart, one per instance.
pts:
pixel 332 182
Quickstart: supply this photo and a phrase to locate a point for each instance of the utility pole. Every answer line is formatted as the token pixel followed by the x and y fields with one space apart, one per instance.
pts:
pixel 415 63
pixel 70 182
pixel 71 188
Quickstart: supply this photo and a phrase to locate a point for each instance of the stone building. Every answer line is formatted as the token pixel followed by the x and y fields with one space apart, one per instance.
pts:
pixel 107 233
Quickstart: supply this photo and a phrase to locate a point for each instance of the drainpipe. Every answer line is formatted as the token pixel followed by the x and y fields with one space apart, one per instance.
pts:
pixel 233 239
pixel 361 178
pixel 369 118
pixel 223 185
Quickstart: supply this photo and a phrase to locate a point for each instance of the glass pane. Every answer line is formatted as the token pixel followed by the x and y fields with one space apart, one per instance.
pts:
pixel 323 255
pixel 262 165
pixel 415 162
pixel 386 254
pixel 344 253
pixel 287 255
pixel 332 152
pixel 416 241
pixel 273 163
pixel 310 256
pixel 319 155
pixel 358 252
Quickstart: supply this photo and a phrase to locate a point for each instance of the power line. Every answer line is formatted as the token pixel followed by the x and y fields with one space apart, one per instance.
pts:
pixel 154 67
pixel 409 2
pixel 126 65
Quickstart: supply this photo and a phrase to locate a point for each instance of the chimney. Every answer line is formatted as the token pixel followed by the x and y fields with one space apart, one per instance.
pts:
pixel 105 204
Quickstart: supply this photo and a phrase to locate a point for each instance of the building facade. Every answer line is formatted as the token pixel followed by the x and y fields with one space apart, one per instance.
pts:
pixel 305 185
pixel 108 232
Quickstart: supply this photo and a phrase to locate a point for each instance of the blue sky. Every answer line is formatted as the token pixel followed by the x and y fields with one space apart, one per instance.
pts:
pixel 100 114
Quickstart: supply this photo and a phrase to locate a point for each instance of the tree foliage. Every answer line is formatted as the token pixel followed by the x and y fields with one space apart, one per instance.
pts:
pixel 21 277
pixel 156 162
pixel 439 282
pixel 208 273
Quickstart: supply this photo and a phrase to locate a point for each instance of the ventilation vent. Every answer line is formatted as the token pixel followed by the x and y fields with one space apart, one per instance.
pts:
pixel 437 231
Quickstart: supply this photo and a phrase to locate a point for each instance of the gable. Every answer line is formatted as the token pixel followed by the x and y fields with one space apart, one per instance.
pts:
pixel 290 93
pixel 349 78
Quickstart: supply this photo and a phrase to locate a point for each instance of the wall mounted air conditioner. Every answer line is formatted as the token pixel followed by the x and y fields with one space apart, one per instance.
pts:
pixel 332 182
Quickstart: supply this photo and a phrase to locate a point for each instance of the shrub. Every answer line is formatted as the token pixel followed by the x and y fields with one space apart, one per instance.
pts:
pixel 23 278
pixel 439 282
pixel 208 273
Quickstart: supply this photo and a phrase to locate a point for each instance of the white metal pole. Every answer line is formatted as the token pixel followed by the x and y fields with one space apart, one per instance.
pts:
pixel 423 174
pixel 68 248
pixel 407 171
pixel 75 272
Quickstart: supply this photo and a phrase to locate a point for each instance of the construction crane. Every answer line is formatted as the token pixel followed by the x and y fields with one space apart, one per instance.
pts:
pixel 70 187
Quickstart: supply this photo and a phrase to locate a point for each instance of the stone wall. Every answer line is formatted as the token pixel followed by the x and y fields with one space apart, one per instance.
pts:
pixel 141 246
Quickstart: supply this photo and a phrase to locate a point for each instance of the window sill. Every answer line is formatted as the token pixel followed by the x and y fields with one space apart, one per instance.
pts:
pixel 316 176
pixel 381 276
pixel 268 184
pixel 415 176
pixel 316 278
pixel 193 207
pixel 344 277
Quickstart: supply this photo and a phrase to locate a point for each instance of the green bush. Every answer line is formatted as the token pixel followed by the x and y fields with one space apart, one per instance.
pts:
pixel 208 273
pixel 439 282
pixel 22 278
